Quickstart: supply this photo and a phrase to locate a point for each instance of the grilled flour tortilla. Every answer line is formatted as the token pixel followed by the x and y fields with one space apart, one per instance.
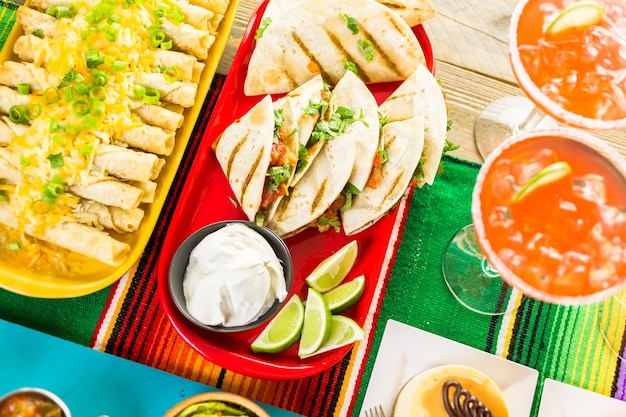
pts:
pixel 413 138
pixel 353 94
pixel 305 97
pixel 315 38
pixel 252 159
pixel 414 12
pixel 333 168
pixel 403 141
pixel 421 95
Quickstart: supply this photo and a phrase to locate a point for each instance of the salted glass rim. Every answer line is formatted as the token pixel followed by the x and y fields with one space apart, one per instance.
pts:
pixel 607 151
pixel 536 95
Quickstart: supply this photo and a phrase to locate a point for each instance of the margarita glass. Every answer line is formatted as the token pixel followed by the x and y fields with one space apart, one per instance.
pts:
pixel 569 58
pixel 549 221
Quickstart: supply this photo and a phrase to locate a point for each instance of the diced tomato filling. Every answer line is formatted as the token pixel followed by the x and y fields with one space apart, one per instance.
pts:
pixel 375 175
pixel 278 157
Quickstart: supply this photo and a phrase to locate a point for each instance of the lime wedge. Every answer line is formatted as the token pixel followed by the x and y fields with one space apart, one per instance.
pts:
pixel 548 175
pixel 344 331
pixel 317 323
pixel 332 270
pixel 576 16
pixel 283 330
pixel 345 295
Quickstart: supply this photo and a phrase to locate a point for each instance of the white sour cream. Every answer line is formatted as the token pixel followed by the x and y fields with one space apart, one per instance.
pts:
pixel 233 277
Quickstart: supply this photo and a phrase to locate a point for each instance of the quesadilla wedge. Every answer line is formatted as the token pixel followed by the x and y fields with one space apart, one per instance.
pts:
pixel 403 141
pixel 352 93
pixel 258 155
pixel 421 95
pixel 283 160
pixel 328 37
pixel 315 199
pixel 308 102
pixel 414 12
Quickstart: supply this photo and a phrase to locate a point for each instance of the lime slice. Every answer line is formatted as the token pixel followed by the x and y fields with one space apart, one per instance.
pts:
pixel 344 331
pixel 283 330
pixel 548 175
pixel 332 270
pixel 576 16
pixel 317 323
pixel 345 295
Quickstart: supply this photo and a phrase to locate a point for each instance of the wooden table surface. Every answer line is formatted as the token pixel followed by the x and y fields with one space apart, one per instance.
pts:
pixel 469 39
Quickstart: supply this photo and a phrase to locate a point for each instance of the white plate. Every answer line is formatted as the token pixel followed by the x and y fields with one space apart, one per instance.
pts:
pixel 405 351
pixel 564 400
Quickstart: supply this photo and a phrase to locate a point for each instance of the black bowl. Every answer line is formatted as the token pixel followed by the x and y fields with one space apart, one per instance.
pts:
pixel 180 260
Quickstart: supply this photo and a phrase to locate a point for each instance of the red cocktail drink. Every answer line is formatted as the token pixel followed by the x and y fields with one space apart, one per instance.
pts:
pixel 578 76
pixel 549 211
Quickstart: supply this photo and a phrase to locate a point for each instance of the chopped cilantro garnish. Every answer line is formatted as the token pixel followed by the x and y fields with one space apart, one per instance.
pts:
pixel 353 25
pixel 302 152
pixel 325 221
pixel 279 119
pixel 383 153
pixel 278 174
pixel 367 48
pixel 350 66
pixel 264 24
pixel 348 191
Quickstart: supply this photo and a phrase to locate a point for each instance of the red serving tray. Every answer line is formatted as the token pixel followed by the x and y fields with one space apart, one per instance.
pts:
pixel 206 198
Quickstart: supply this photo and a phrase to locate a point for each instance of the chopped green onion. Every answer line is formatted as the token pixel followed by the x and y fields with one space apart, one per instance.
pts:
pixel 68 93
pixel 177 14
pixel 23 89
pixel 54 125
pixel 40 206
pixel 118 65
pixel 156 38
pixel 59 140
pixel 57 179
pixel 52 190
pixel 171 73
pixel 166 45
pixel 14 245
pixel 81 89
pixel 151 95
pixel 99 12
pixel 99 77
pixel 80 107
pixel 38 32
pixel 89 122
pixel 72 129
pixel 51 95
pixel 86 150
pixel 33 111
pixel 139 91
pixel 97 108
pixel 93 58
pixel 97 92
pixel 17 113
pixel 56 160
pixel 25 161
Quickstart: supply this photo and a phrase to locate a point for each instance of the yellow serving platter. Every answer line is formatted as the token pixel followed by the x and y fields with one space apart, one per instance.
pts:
pixel 94 275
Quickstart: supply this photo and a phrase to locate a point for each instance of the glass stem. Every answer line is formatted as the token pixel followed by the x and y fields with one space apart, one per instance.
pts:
pixel 532 120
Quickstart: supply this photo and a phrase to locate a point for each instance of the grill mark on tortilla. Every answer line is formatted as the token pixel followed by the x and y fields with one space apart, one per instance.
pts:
pixel 388 62
pixel 394 185
pixel 335 41
pixel 317 201
pixel 395 6
pixel 250 175
pixel 298 40
pixel 233 154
